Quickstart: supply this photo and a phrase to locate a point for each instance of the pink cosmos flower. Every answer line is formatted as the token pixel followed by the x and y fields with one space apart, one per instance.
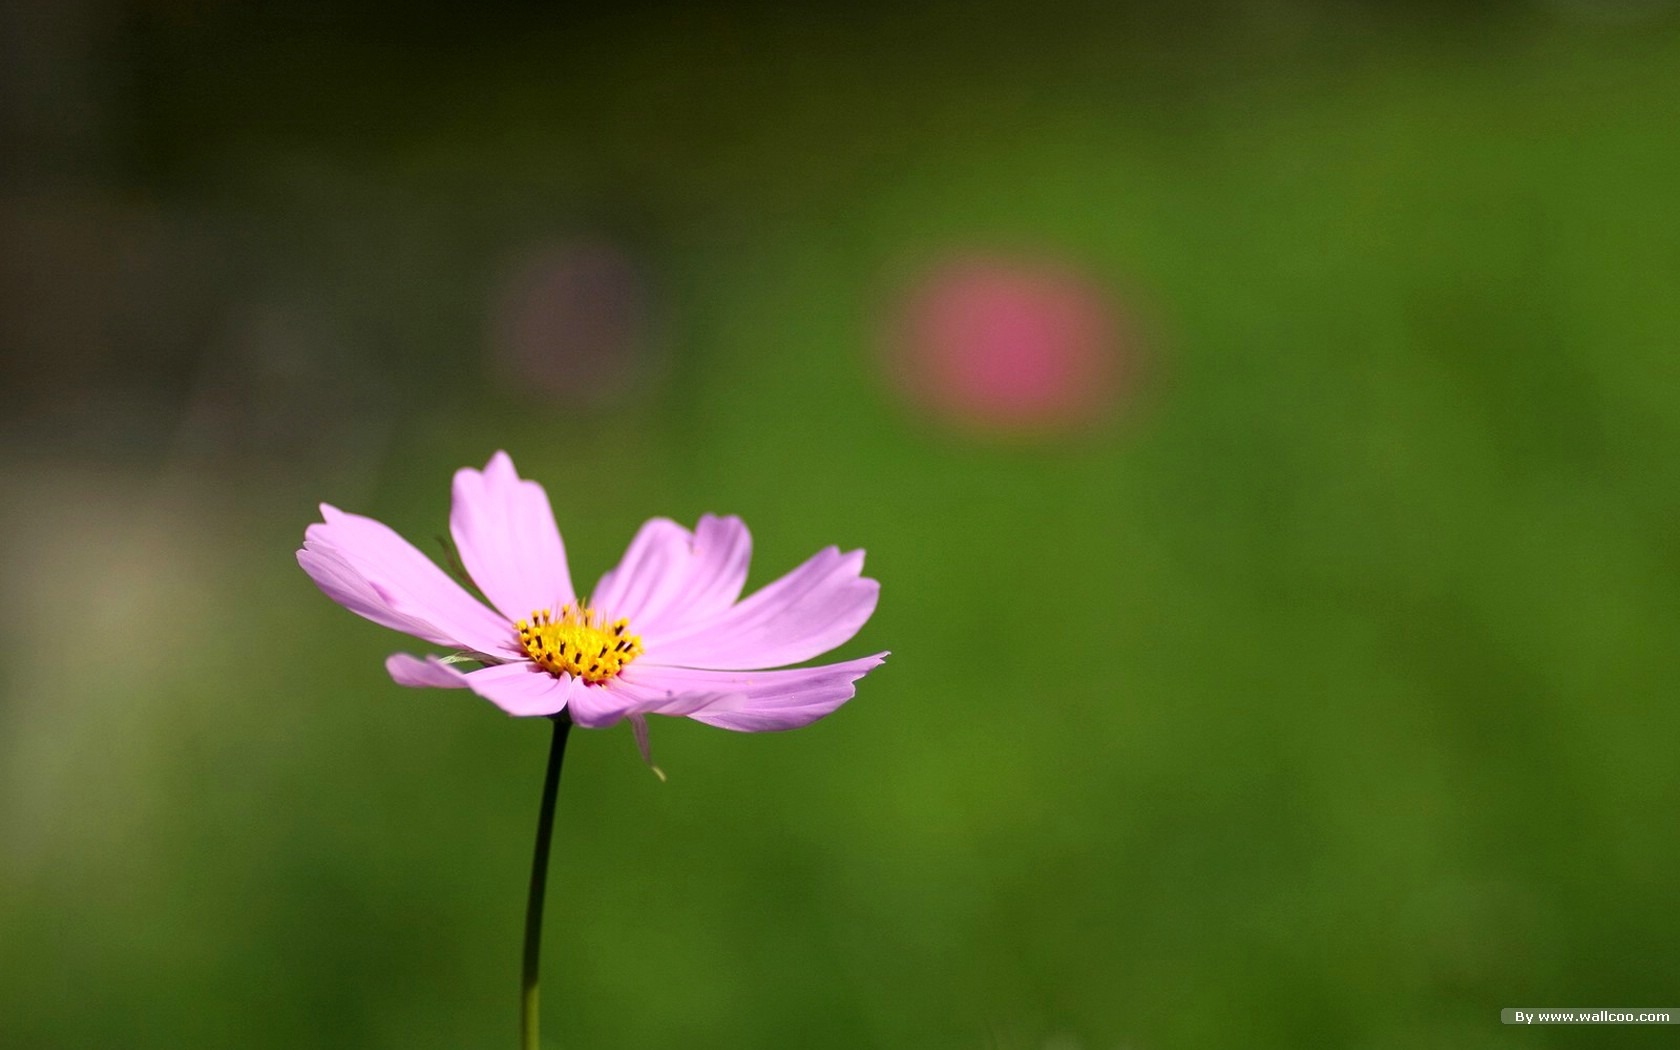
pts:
pixel 666 632
pixel 1013 345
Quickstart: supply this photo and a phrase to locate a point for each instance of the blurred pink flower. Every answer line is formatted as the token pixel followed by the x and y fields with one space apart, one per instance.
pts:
pixel 1000 344
pixel 574 319
pixel 666 632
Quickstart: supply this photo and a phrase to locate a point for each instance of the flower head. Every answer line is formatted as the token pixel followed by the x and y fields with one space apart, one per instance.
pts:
pixel 666 632
pixel 1007 344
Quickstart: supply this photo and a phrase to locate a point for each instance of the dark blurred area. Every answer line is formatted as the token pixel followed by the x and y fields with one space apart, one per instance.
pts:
pixel 1262 416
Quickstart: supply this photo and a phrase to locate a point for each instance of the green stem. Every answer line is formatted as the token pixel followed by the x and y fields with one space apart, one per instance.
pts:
pixel 528 1011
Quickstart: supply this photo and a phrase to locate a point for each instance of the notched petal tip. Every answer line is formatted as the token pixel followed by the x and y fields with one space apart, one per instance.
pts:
pixel 365 566
pixel 670 577
pixel 818 606
pixel 749 701
pixel 507 539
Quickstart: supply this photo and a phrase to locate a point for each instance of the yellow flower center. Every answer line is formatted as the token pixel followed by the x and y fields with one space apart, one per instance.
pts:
pixel 580 642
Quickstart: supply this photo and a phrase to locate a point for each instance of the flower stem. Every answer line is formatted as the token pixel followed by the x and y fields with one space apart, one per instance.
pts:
pixel 528 1008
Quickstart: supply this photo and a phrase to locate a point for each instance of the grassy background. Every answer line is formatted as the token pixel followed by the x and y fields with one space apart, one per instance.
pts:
pixel 1326 697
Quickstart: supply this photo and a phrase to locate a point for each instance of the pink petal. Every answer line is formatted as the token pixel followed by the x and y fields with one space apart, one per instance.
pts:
pixel 598 706
pixel 522 688
pixel 505 531
pixel 639 728
pixel 806 613
pixel 670 578
pixel 747 701
pixel 430 672
pixel 344 585
pixel 519 688
pixel 367 568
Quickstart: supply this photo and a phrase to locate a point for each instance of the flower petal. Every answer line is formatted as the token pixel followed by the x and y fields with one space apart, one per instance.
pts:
pixel 366 567
pixel 806 613
pixel 504 528
pixel 599 706
pixel 670 578
pixel 522 688
pixel 430 672
pixel 519 687
pixel 747 701
pixel 639 728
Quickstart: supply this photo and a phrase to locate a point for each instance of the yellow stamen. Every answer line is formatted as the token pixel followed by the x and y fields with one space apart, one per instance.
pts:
pixel 580 642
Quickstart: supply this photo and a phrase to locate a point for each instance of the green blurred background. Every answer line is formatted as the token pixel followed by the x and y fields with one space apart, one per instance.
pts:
pixel 1318 691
